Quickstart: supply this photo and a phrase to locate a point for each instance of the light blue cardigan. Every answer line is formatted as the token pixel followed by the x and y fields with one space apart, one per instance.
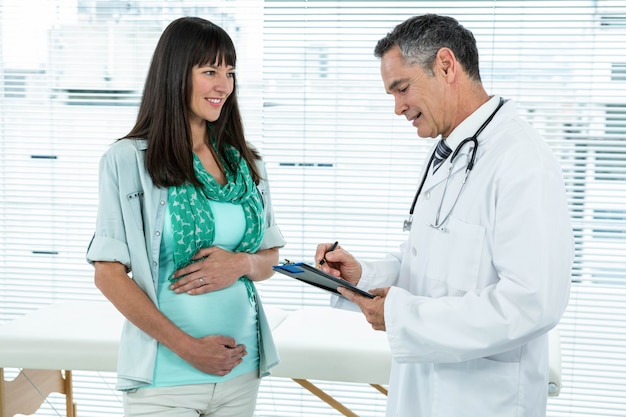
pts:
pixel 130 215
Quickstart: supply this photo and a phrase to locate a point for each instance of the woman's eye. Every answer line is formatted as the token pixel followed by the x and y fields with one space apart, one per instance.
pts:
pixel 231 75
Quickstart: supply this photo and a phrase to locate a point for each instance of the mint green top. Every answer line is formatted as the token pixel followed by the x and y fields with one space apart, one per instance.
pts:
pixel 227 312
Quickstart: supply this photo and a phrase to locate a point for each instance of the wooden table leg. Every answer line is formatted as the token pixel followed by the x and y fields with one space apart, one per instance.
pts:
pixel 325 397
pixel 26 393
pixel 380 388
pixel 2 395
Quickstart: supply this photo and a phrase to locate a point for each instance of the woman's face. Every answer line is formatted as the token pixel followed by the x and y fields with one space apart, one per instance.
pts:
pixel 210 87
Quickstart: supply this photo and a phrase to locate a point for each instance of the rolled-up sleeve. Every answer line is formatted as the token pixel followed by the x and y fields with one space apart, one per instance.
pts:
pixel 106 249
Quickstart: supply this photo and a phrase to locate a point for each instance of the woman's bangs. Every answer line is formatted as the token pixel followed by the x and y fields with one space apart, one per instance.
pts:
pixel 217 50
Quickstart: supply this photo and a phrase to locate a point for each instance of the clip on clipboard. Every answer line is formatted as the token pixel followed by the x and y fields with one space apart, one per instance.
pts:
pixel 316 277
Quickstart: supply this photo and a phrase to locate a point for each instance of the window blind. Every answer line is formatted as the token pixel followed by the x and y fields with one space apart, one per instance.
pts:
pixel 342 166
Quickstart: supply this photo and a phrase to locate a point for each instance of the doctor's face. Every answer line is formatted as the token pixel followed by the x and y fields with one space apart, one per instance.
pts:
pixel 418 96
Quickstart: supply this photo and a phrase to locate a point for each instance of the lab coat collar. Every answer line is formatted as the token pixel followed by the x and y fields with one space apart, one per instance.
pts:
pixel 472 123
pixel 465 129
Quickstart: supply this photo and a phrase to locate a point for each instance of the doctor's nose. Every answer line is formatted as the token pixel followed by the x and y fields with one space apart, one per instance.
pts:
pixel 399 107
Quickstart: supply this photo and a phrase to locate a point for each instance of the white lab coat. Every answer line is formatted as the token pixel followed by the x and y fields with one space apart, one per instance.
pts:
pixel 469 309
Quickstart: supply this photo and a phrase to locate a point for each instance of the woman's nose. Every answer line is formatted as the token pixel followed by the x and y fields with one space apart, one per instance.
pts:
pixel 224 84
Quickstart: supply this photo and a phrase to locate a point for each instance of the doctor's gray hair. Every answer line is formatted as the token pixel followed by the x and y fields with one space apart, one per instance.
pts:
pixel 421 37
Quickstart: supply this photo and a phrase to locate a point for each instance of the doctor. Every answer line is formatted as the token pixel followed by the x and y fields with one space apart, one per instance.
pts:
pixel 469 299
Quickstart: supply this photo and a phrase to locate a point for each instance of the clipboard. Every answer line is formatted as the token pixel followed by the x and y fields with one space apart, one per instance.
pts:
pixel 318 278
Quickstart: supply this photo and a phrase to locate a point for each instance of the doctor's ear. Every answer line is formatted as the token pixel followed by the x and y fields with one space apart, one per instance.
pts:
pixel 445 60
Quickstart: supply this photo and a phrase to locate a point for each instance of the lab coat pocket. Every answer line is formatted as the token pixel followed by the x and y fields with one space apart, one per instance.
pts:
pixel 454 258
pixel 480 387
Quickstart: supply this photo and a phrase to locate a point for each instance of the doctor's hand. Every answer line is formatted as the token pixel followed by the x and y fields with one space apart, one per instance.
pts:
pixel 338 262
pixel 373 308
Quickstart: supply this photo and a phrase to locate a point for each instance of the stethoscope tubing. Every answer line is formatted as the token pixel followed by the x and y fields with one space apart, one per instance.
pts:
pixel 468 169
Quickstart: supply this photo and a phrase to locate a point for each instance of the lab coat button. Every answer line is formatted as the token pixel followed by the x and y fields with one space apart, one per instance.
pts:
pixel 427 196
pixel 414 251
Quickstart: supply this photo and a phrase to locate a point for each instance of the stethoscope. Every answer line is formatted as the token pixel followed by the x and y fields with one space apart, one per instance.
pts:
pixel 438 223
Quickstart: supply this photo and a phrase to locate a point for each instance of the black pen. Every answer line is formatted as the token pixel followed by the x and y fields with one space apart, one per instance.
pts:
pixel 332 248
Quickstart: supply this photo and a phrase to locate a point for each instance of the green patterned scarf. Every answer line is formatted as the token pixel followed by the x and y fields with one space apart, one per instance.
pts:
pixel 192 219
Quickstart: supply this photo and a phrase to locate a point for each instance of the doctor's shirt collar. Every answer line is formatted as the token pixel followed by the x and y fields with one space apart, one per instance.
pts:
pixel 470 125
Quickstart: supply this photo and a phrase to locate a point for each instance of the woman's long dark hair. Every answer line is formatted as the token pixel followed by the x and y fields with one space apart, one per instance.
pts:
pixel 164 110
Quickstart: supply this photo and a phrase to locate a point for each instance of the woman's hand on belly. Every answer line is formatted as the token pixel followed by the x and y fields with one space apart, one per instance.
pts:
pixel 216 355
pixel 214 270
